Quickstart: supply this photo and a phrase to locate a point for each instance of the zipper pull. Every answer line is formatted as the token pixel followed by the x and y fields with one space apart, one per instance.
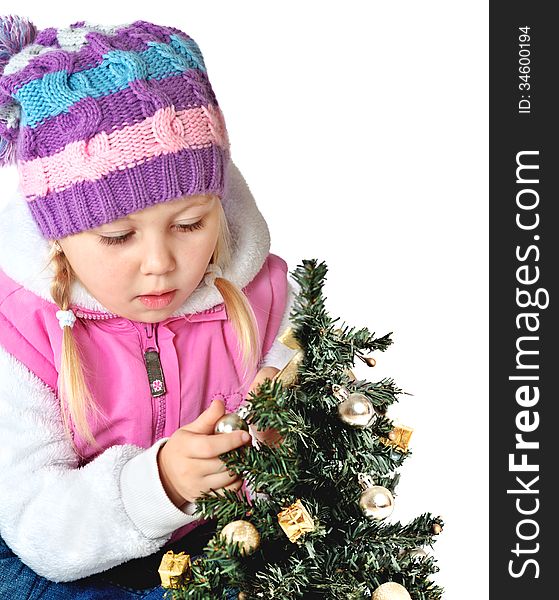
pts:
pixel 155 373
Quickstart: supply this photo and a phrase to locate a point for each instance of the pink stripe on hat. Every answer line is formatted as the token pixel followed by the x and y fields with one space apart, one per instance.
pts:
pixel 166 131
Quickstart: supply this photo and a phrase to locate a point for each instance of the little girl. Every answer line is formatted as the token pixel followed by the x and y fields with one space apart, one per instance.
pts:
pixel 139 302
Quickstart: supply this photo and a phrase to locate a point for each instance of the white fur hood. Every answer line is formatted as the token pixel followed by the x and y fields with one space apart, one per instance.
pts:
pixel 24 255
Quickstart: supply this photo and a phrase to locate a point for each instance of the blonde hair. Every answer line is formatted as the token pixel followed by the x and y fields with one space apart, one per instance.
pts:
pixel 76 400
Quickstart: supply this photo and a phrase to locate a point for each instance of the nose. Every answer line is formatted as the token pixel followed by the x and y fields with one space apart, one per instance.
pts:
pixel 157 257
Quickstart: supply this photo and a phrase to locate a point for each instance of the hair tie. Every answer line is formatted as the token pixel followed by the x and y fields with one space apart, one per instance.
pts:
pixel 65 318
pixel 212 272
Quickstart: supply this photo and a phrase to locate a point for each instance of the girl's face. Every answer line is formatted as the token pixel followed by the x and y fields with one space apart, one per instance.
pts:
pixel 164 247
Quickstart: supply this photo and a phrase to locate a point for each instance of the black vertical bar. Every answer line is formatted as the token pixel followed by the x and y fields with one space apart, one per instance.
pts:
pixel 524 169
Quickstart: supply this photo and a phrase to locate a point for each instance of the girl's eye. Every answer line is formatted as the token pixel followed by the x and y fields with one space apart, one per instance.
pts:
pixel 109 241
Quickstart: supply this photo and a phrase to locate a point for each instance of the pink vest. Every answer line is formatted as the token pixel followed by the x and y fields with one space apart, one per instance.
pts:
pixel 148 379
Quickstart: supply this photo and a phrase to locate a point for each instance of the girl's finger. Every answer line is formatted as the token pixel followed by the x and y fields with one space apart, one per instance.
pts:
pixel 234 487
pixel 220 480
pixel 204 467
pixel 211 446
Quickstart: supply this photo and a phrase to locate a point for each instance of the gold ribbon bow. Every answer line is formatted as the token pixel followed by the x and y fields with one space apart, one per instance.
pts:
pixel 288 375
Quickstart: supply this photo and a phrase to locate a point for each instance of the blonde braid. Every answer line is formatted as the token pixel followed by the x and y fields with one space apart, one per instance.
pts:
pixel 75 397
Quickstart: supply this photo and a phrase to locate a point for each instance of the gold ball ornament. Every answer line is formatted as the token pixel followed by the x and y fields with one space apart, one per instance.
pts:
pixel 391 591
pixel 371 362
pixel 244 533
pixel 356 410
pixel 437 528
pixel 242 596
pixel 230 422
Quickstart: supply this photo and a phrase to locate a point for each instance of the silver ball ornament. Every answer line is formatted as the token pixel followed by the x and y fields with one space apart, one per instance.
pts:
pixel 377 502
pixel 417 553
pixel 230 422
pixel 413 553
pixel 356 410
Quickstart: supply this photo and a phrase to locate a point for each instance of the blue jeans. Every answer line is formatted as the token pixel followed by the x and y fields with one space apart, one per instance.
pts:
pixel 17 581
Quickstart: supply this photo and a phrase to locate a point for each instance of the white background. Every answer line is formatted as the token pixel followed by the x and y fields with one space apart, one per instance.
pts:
pixel 362 131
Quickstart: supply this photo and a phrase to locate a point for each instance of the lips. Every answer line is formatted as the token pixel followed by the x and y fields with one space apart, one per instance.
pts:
pixel 158 293
pixel 158 300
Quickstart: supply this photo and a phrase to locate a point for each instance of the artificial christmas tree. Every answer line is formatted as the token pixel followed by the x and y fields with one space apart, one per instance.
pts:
pixel 316 523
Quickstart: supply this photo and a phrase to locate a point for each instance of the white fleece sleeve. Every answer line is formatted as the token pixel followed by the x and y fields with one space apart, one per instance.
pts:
pixel 65 522
pixel 279 354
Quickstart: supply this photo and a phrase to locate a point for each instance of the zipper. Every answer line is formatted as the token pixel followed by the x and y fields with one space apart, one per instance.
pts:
pixel 152 362
pixel 151 352
pixel 156 377
pixel 95 316
pixel 85 313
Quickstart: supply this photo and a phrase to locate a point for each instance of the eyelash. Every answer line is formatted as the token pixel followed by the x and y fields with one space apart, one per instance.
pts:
pixel 110 241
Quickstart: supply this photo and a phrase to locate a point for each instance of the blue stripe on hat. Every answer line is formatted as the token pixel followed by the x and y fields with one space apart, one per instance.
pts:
pixel 54 93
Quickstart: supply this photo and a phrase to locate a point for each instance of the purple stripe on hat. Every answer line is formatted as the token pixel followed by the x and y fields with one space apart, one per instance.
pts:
pixel 89 204
pixel 151 30
pixel 47 37
pixel 90 116
pixel 132 37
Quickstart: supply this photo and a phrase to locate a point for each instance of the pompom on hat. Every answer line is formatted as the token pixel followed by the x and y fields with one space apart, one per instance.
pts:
pixel 103 121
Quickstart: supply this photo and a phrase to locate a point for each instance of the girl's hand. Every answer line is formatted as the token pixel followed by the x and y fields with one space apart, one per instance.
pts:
pixel 270 437
pixel 188 461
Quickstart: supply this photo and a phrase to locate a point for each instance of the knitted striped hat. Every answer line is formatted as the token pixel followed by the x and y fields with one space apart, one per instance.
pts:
pixel 105 121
